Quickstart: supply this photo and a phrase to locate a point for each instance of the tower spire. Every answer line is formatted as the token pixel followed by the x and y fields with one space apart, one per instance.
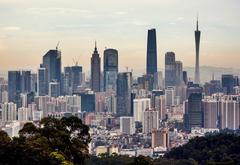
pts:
pixel 197 22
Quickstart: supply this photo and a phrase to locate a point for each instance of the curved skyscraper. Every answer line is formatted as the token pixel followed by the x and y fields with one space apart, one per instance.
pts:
pixel 151 52
pixel 110 69
pixel 197 44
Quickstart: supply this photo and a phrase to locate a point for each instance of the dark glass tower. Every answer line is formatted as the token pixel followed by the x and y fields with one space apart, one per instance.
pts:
pixel 124 81
pixel 110 69
pixel 14 86
pixel 52 63
pixel 197 44
pixel 170 69
pixel 95 70
pixel 151 52
pixel 228 83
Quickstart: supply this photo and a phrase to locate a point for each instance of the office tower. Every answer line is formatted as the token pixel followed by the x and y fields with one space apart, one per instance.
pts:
pixel 210 113
pixel 127 125
pixel 110 69
pixel 34 82
pixel 160 106
pixel 139 106
pixel 14 86
pixel 25 81
pixel 150 120
pixel 197 44
pixel 54 89
pixel 228 83
pixel 214 86
pixel 52 63
pixel 193 116
pixel 42 85
pixel 95 70
pixel 67 81
pixel 170 69
pixel 194 88
pixel 158 81
pixel 160 138
pixel 179 73
pixel 100 102
pixel 76 77
pixel 87 102
pixel 9 112
pixel 111 103
pixel 185 77
pixel 170 96
pixel 124 81
pixel 151 52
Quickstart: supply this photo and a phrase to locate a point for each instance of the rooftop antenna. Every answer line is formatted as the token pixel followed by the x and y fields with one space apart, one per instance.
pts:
pixel 57 45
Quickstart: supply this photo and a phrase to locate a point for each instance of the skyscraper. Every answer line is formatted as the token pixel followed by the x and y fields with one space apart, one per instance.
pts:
pixel 170 69
pixel 197 44
pixel 95 70
pixel 26 81
pixel 124 81
pixel 228 83
pixel 42 84
pixel 110 69
pixel 76 77
pixel 14 86
pixel 151 52
pixel 52 63
pixel 193 116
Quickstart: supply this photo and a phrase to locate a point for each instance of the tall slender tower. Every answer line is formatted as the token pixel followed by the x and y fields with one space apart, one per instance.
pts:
pixel 151 52
pixel 197 44
pixel 95 70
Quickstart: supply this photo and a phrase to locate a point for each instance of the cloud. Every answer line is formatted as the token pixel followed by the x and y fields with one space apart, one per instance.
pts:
pixel 11 28
pixel 57 11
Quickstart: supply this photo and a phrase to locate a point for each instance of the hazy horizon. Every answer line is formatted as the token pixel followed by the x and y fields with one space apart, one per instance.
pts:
pixel 29 28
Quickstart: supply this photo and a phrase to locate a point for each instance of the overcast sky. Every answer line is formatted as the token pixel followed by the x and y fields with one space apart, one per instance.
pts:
pixel 29 28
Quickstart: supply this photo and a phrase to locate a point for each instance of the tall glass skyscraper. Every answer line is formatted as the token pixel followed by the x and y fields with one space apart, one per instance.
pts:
pixel 42 85
pixel 14 86
pixel 151 52
pixel 52 63
pixel 170 69
pixel 110 69
pixel 124 81
pixel 95 70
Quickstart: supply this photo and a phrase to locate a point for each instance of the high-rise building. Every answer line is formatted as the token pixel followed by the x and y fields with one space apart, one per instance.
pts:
pixel 185 77
pixel 139 106
pixel 197 44
pixel 76 77
pixel 110 69
pixel 193 116
pixel 9 112
pixel 150 120
pixel 228 83
pixel 158 81
pixel 124 82
pixel 170 69
pixel 160 138
pixel 42 85
pixel 127 125
pixel 95 70
pixel 160 106
pixel 170 96
pixel 179 73
pixel 210 113
pixel 52 63
pixel 54 89
pixel 151 52
pixel 14 86
pixel 25 81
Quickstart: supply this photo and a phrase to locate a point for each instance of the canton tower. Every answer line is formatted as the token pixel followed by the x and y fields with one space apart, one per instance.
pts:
pixel 197 44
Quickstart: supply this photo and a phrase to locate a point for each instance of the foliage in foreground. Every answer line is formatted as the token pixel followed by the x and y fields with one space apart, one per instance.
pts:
pixel 63 141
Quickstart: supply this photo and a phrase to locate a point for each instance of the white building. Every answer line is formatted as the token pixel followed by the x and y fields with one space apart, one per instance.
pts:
pixel 12 129
pixel 23 114
pixel 9 112
pixel 127 125
pixel 139 106
pixel 170 95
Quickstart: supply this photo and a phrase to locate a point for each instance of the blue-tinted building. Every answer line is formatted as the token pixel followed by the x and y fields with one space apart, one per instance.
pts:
pixel 228 82
pixel 151 52
pixel 170 69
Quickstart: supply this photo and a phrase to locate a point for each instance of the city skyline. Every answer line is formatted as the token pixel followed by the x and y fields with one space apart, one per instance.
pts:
pixel 38 28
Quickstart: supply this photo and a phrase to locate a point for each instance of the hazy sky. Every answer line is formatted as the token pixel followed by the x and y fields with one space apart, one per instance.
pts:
pixel 28 28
